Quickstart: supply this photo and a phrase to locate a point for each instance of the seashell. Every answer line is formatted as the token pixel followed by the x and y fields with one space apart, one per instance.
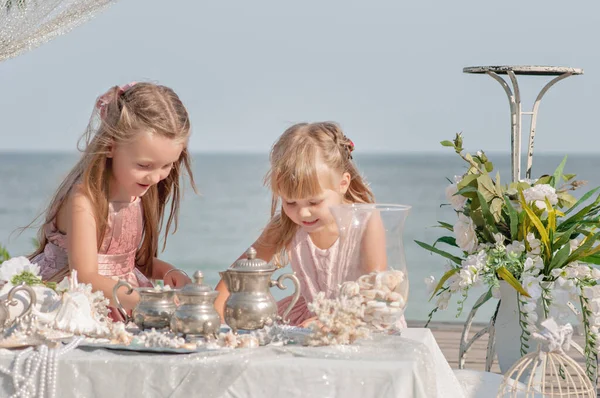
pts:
pixel 82 311
pixel 375 304
pixel 229 339
pixel 380 294
pixel 350 289
pixel 366 281
pixel 247 341
pixel 369 294
pixel 393 297
pixel 119 334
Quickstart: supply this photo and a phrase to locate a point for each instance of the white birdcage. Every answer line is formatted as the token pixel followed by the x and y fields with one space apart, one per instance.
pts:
pixel 548 372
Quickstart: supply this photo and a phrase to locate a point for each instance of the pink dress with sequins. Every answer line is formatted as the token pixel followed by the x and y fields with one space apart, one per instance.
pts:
pixel 116 256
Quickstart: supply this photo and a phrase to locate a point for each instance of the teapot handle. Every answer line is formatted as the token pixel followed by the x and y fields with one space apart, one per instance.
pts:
pixel 279 284
pixel 30 292
pixel 120 307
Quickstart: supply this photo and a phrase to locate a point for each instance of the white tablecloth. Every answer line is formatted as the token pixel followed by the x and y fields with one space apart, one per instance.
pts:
pixel 387 366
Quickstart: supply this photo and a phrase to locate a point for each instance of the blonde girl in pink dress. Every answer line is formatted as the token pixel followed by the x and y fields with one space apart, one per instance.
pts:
pixel 311 170
pixel 105 218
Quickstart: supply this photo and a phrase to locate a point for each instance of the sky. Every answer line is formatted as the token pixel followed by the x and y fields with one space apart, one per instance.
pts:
pixel 390 72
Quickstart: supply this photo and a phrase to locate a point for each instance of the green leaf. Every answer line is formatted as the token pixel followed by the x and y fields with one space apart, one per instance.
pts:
pixel 505 274
pixel 593 259
pixel 29 278
pixel 487 215
pixel 582 199
pixel 496 208
pixel 440 252
pixel 468 192
pixel 445 225
pixel 468 180
pixel 543 180
pixel 514 219
pixel 483 299
pixel 537 223
pixel 447 143
pixel 447 240
pixel 559 259
pixel 486 187
pixel 440 284
pixel 557 176
pixel 582 251
pixel 563 237
pixel 566 200
pixel 569 177
pixel 489 167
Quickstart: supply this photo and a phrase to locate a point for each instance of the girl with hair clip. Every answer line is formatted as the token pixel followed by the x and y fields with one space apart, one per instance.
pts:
pixel 105 218
pixel 311 170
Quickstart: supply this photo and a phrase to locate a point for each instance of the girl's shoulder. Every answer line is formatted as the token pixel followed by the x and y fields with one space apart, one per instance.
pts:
pixel 75 201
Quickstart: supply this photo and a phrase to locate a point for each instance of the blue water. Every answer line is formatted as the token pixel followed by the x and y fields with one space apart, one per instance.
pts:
pixel 218 225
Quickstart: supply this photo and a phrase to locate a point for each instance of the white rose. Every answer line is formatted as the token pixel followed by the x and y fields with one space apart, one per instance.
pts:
pixel 457 201
pixel 464 230
pixel 538 193
pixel 515 248
pixel 15 266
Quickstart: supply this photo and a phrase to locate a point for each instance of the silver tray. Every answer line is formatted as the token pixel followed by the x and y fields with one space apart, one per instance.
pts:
pixel 142 348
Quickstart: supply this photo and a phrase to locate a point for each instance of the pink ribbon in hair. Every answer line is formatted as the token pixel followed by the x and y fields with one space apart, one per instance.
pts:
pixel 106 98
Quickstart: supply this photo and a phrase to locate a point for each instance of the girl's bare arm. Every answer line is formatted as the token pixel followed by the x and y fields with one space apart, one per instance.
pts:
pixel 77 214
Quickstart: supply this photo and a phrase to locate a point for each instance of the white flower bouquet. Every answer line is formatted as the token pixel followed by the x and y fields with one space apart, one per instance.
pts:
pixel 533 235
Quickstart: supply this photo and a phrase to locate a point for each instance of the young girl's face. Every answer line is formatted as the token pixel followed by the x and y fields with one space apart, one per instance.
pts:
pixel 312 214
pixel 141 163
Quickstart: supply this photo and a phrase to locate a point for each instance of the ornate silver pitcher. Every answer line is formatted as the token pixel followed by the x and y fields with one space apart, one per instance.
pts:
pixel 196 313
pixel 4 310
pixel 250 304
pixel 154 309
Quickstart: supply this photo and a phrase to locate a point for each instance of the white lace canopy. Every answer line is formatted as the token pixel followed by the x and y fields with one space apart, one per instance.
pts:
pixel 26 24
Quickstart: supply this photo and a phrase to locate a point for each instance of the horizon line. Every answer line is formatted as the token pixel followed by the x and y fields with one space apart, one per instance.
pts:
pixel 254 152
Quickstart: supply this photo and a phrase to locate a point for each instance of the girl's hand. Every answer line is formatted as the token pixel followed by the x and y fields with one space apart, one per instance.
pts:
pixel 309 321
pixel 176 278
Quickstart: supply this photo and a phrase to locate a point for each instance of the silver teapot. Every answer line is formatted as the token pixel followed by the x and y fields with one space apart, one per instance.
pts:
pixel 250 304
pixel 5 311
pixel 154 309
pixel 196 313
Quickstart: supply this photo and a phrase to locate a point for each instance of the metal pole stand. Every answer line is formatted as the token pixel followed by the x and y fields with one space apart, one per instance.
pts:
pixel 514 99
pixel 516 115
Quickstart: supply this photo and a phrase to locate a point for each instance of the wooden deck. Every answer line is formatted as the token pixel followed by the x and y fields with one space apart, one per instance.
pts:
pixel 447 335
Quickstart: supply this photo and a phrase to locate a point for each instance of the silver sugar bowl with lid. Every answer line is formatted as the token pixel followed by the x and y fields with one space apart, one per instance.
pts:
pixel 250 304
pixel 154 310
pixel 196 313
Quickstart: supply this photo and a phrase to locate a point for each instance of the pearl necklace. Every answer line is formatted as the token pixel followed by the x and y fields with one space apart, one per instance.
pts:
pixel 41 366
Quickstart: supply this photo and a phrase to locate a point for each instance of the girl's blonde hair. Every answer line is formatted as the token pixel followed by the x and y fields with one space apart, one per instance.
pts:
pixel 295 159
pixel 120 115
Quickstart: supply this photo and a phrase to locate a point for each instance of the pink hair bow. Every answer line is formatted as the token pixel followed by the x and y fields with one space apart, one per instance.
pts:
pixel 106 98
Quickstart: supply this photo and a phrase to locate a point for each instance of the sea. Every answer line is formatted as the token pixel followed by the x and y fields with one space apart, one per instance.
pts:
pixel 232 206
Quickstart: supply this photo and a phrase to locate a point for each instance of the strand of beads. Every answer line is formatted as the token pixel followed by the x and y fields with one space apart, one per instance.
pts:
pixel 53 364
pixel 40 366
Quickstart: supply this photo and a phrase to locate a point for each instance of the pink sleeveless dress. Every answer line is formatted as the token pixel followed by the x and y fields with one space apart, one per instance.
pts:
pixel 320 270
pixel 116 256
